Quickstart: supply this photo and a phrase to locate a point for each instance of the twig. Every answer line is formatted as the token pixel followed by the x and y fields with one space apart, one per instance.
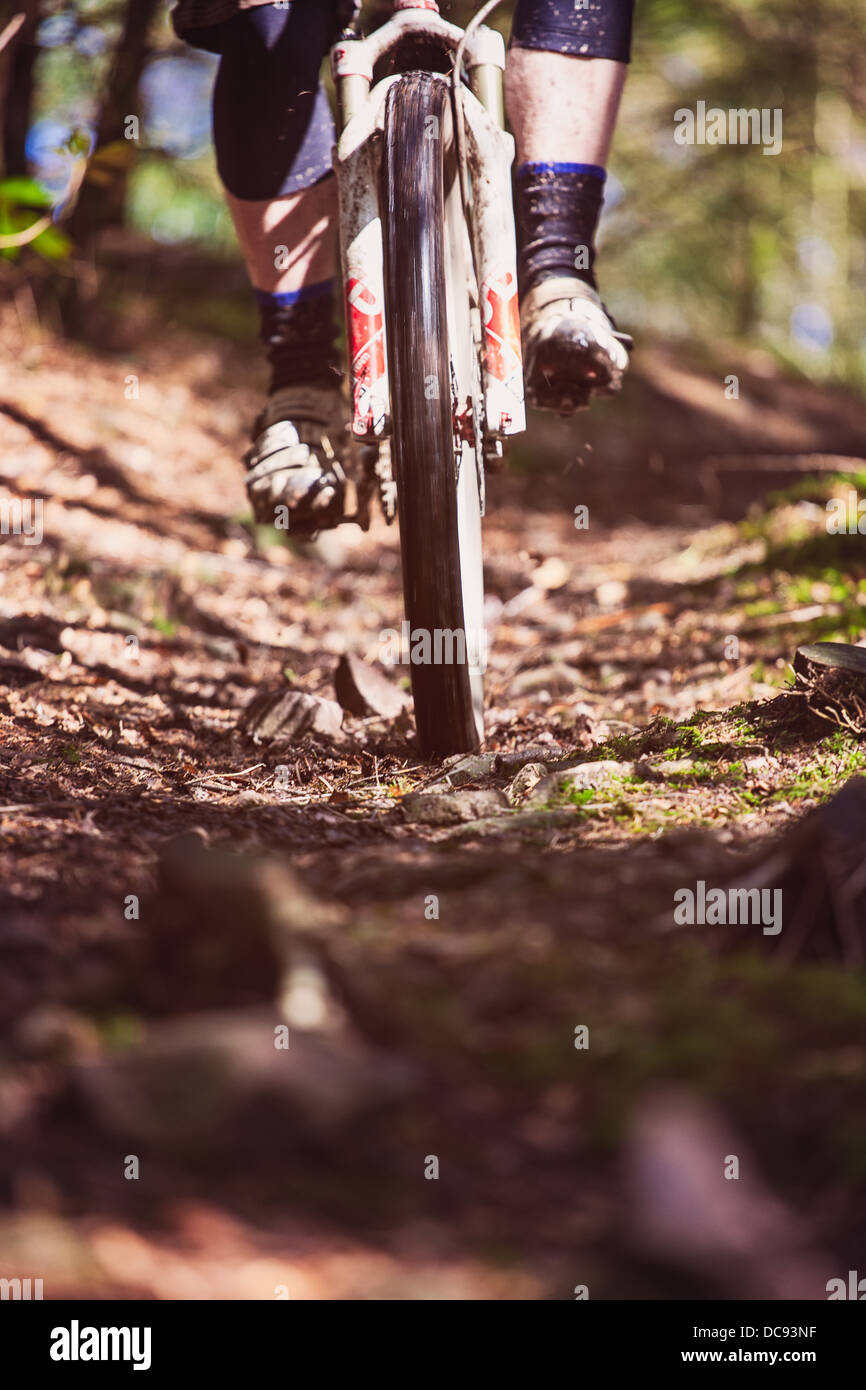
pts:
pixel 224 776
pixel 11 30
pixel 142 764
pixel 42 224
pixel 28 234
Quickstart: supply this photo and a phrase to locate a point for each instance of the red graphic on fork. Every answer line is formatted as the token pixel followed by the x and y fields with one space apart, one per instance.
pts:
pixel 501 317
pixel 366 335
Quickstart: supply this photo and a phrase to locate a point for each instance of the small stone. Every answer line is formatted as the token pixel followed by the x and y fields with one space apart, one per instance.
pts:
pixel 463 769
pixel 223 648
pixel 526 780
pixel 513 762
pixel 252 798
pixel 557 678
pixel 585 775
pixel 552 573
pixel 611 594
pixel 364 690
pixel 452 808
pixel 291 714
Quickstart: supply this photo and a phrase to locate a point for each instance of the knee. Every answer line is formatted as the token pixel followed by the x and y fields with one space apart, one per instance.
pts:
pixel 273 129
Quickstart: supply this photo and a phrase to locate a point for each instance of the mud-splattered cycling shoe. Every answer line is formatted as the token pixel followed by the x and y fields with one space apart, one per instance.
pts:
pixel 572 349
pixel 294 477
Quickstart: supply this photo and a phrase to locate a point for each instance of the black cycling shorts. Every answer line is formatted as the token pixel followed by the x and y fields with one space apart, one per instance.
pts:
pixel 273 129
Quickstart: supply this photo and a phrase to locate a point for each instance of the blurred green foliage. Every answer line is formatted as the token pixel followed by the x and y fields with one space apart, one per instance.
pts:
pixel 724 240
pixel 22 202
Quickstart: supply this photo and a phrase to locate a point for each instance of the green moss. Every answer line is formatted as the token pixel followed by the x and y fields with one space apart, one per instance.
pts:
pixel 689 736
pixel 700 772
pixel 577 796
pixel 163 624
pixel 762 608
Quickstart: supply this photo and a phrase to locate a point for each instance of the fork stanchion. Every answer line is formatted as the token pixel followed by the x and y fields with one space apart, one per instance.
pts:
pixel 352 93
pixel 485 81
pixel 353 75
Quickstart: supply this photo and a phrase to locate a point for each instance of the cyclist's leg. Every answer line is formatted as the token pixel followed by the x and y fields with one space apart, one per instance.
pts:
pixel 566 70
pixel 273 134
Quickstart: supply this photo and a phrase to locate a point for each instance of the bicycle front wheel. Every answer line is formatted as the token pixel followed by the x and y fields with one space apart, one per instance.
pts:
pixel 435 408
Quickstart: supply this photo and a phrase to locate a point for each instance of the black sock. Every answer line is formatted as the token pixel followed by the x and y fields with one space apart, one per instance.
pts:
pixel 299 332
pixel 557 208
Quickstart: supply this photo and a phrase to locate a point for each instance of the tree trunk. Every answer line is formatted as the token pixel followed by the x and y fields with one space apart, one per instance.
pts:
pixel 16 85
pixel 101 201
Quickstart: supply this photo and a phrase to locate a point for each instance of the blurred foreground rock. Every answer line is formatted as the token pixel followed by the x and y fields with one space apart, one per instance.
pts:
pixel 820 869
pixel 228 926
pixel 683 1211
pixel 218 1083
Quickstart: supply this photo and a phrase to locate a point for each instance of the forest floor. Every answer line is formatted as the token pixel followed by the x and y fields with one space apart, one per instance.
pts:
pixel 176 887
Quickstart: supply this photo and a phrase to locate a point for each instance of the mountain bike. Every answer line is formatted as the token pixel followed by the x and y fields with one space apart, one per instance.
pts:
pixel 427 242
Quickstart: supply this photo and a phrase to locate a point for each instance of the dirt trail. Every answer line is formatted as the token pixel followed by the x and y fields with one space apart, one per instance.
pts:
pixel 134 635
